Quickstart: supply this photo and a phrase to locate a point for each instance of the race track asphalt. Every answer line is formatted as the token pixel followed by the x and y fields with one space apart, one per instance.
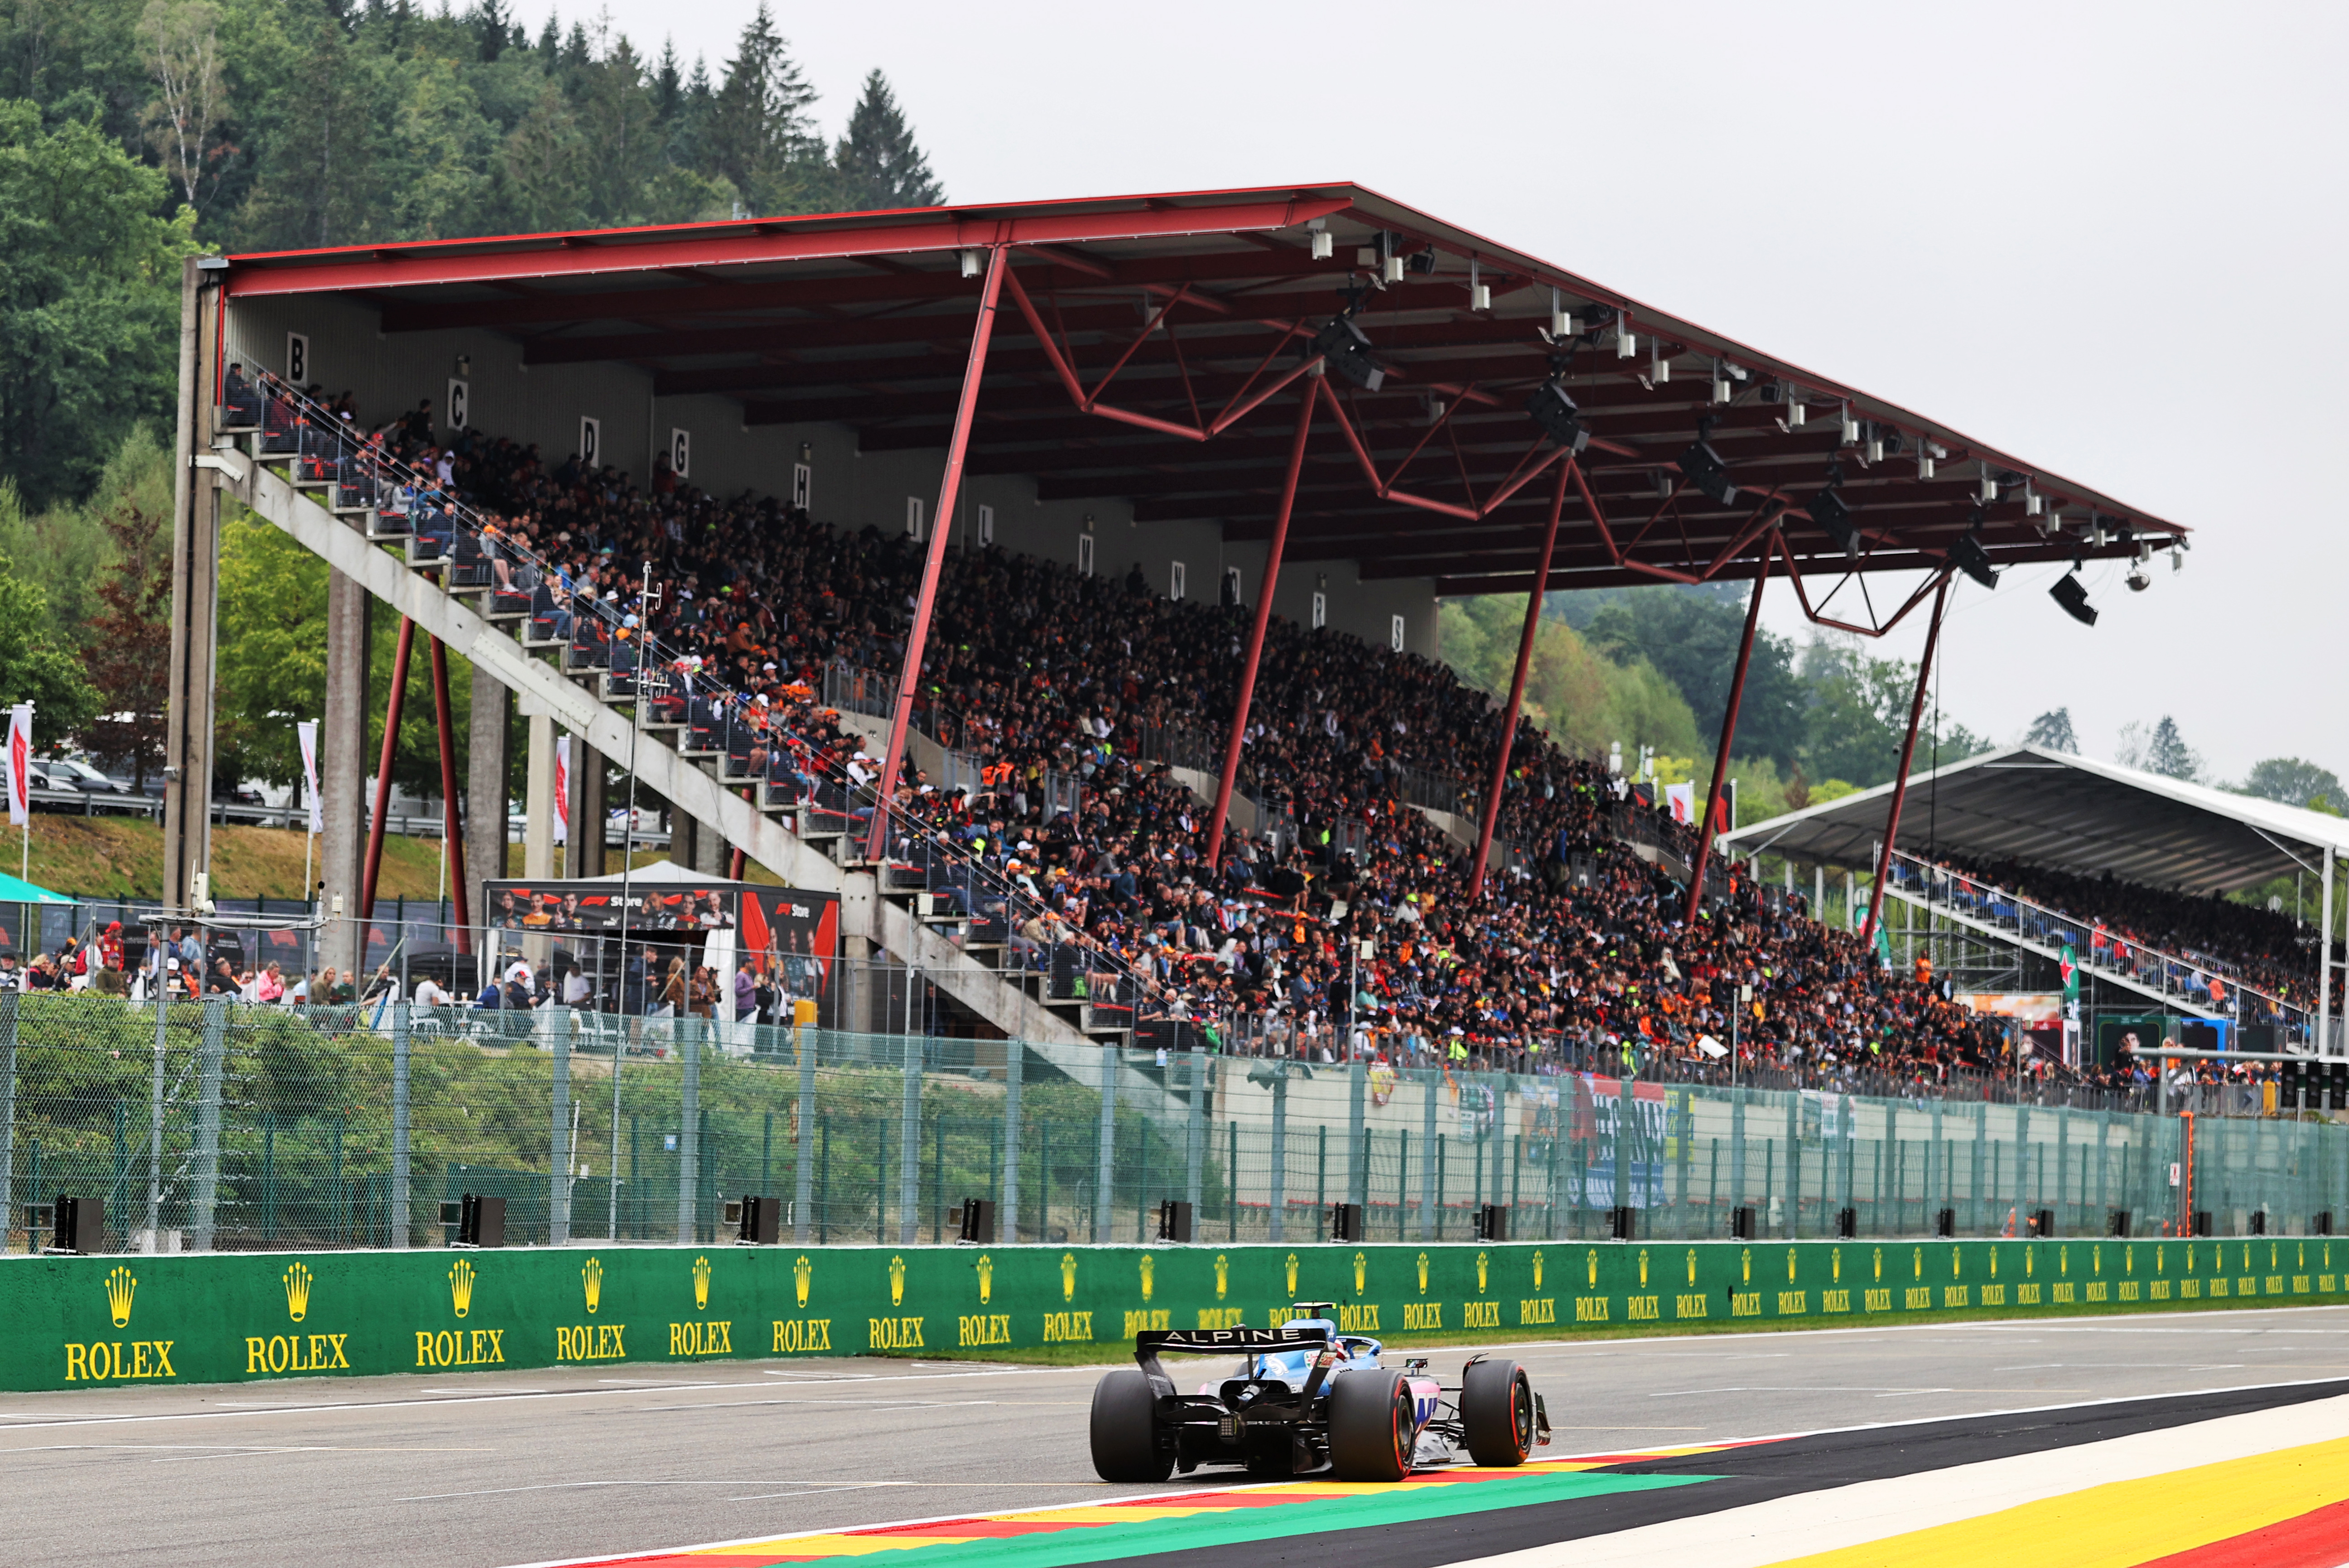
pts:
pixel 501 1469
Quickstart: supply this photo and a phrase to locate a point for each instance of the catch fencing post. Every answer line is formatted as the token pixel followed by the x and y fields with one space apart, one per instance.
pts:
pixel 803 1130
pixel 1737 1148
pixel 1278 1206
pixel 1108 1161
pixel 208 1122
pixel 688 1130
pixel 1357 1115
pixel 1427 1160
pixel 1625 1115
pixel 558 1164
pixel 155 1113
pixel 399 1052
pixel 1015 1068
pixel 1194 1149
pixel 1794 1162
pixel 909 1144
pixel 8 999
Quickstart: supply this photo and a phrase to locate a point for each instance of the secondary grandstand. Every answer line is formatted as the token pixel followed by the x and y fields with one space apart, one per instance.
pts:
pixel 978 567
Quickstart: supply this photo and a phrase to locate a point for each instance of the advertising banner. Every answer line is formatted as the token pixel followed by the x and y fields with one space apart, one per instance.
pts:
pixel 83 1321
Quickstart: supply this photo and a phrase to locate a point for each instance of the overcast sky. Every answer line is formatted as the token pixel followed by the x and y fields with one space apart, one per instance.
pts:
pixel 2108 239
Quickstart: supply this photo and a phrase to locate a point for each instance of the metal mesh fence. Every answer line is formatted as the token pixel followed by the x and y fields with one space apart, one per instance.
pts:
pixel 222 1127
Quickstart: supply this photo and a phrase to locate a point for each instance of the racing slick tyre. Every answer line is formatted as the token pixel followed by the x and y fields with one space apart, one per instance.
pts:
pixel 1125 1430
pixel 1497 1409
pixel 1372 1426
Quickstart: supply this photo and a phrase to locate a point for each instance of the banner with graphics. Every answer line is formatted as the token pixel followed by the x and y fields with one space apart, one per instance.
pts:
pixel 78 1322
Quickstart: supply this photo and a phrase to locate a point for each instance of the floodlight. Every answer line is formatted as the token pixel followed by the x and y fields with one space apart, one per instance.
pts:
pixel 2138 578
pixel 1627 342
pixel 1555 411
pixel 2073 595
pixel 1850 434
pixel 1968 555
pixel 1707 474
pixel 1348 352
pixel 1324 244
pixel 1988 492
pixel 1562 324
pixel 1479 296
pixel 1423 262
pixel 1826 509
pixel 1659 364
pixel 1391 272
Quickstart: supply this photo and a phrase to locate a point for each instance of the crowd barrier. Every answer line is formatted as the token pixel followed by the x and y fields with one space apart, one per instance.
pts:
pixel 77 1322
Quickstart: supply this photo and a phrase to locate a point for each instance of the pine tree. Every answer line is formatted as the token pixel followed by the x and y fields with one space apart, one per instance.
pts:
pixel 2053 730
pixel 549 41
pixel 2169 755
pixel 761 136
pixel 490 25
pixel 877 163
pixel 668 82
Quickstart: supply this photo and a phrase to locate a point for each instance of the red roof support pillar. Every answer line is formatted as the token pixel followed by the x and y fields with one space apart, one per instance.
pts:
pixel 1491 813
pixel 1907 754
pixel 941 528
pixel 452 834
pixel 1247 692
pixel 392 706
pixel 1728 737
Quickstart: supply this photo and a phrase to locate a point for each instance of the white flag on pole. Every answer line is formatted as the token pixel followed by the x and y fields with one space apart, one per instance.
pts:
pixel 306 731
pixel 20 764
pixel 1682 798
pixel 563 790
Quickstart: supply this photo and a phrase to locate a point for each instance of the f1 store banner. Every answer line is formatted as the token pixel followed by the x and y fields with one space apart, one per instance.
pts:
pixel 80 1322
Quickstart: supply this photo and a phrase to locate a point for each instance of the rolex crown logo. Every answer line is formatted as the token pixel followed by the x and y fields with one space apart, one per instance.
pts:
pixel 2064 1259
pixel 803 1275
pixel 1590 1267
pixel 1692 1267
pixel 119 1288
pixel 1993 1262
pixel 1880 1263
pixel 1746 1266
pixel 701 1284
pixel 591 1278
pixel 1423 1274
pixel 1643 1268
pixel 1149 1269
pixel 986 1279
pixel 460 1287
pixel 1068 1276
pixel 1484 1266
pixel 1292 1275
pixel 1361 1273
pixel 1790 1265
pixel 1537 1270
pixel 1835 1269
pixel 1224 1273
pixel 896 1281
pixel 297 1291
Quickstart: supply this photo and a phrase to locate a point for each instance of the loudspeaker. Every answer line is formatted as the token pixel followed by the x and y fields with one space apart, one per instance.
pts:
pixel 1945 1222
pixel 481 1221
pixel 1623 1222
pixel 79 1226
pixel 2201 1222
pixel 1174 1220
pixel 1346 1222
pixel 1492 1223
pixel 1740 1222
pixel 2259 1222
pixel 758 1217
pixel 2116 1224
pixel 2043 1223
pixel 977 1222
pixel 2322 1225
pixel 1846 1223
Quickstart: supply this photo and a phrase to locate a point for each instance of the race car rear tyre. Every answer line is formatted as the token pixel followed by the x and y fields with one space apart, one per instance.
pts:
pixel 1496 1407
pixel 1372 1426
pixel 1125 1430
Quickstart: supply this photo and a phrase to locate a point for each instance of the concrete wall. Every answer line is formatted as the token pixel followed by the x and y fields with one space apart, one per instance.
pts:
pixel 388 373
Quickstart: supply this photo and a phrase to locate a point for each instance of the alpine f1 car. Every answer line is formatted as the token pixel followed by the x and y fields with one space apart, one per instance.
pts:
pixel 1305 1396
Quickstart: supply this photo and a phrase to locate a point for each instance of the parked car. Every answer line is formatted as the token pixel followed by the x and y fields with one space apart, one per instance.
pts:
pixel 72 773
pixel 35 773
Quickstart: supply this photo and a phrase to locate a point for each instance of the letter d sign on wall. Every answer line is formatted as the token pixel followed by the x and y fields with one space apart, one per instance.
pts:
pixel 591 441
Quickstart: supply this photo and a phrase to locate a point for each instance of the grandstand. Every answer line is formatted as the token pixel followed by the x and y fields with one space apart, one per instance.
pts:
pixel 1055 585
pixel 2013 864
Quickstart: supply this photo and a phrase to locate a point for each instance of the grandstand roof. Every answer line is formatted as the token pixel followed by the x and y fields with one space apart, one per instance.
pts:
pixel 1130 359
pixel 2049 808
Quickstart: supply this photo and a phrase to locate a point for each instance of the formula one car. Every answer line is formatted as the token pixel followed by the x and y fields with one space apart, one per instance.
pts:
pixel 1305 1396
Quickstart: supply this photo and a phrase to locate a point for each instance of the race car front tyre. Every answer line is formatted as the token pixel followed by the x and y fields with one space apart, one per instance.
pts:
pixel 1125 1430
pixel 1496 1407
pixel 1372 1426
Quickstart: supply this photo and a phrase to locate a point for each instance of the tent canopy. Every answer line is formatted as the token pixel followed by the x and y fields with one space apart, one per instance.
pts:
pixel 16 890
pixel 2074 814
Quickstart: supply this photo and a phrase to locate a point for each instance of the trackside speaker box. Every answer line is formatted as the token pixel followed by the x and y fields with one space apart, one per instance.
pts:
pixel 1174 1220
pixel 760 1219
pixel 2201 1222
pixel 2259 1222
pixel 481 1221
pixel 2117 1223
pixel 1492 1223
pixel 1346 1222
pixel 1740 1222
pixel 1623 1222
pixel 1846 1223
pixel 2043 1223
pixel 978 1221
pixel 79 1227
pixel 1945 1222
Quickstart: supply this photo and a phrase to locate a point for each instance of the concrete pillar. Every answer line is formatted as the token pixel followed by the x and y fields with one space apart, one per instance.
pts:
pixel 538 800
pixel 586 856
pixel 487 771
pixel 342 772
pixel 195 583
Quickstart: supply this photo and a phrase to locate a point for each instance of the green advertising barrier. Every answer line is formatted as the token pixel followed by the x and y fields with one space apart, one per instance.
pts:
pixel 77 1322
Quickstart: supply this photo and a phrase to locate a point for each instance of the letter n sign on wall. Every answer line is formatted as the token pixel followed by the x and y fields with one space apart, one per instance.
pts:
pixel 591 441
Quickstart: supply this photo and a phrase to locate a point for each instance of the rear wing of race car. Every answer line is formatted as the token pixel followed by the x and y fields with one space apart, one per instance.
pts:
pixel 1217 1341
